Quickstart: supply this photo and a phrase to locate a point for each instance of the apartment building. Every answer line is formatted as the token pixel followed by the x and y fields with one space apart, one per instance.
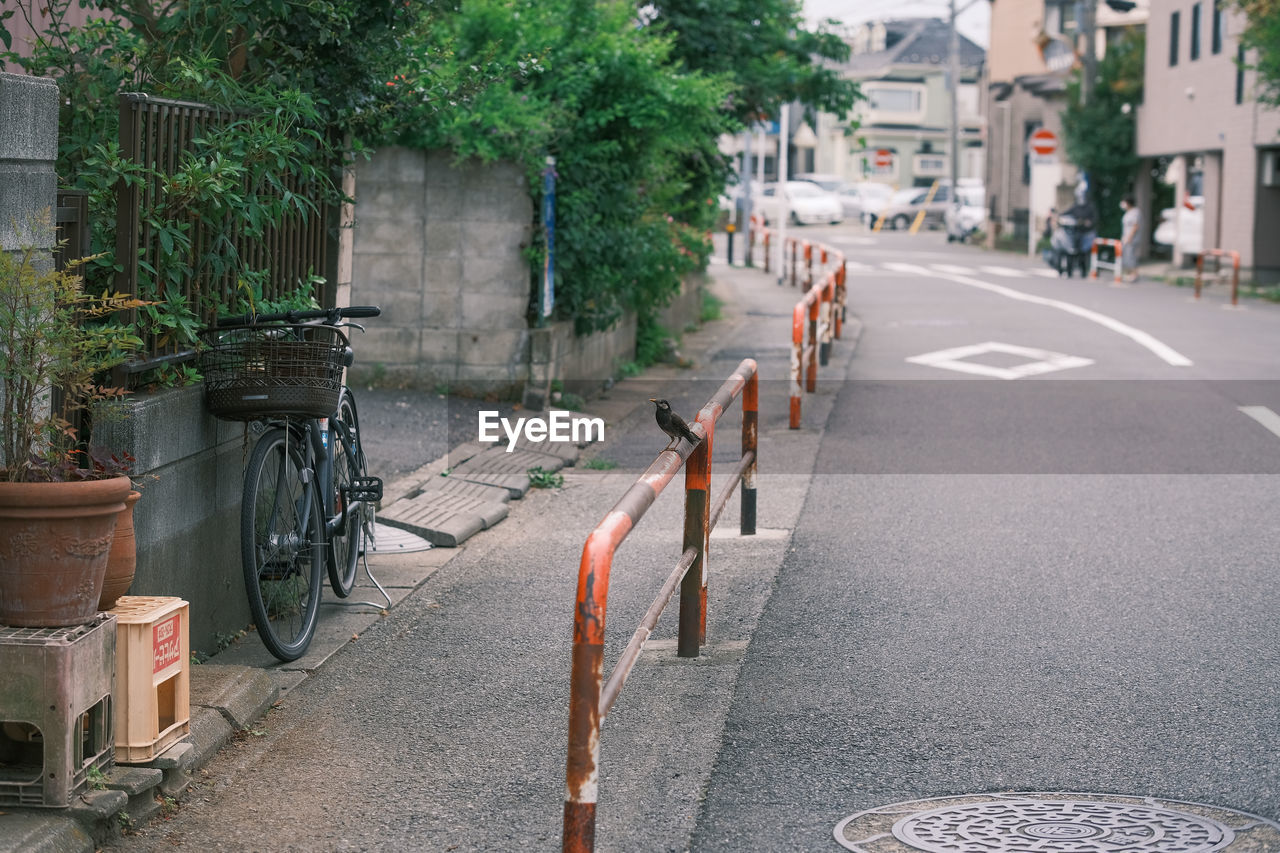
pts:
pixel 1034 47
pixel 903 137
pixel 1200 114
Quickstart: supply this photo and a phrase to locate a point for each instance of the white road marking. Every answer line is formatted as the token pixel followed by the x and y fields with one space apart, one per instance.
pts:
pixel 1044 273
pixel 958 270
pixel 1043 361
pixel 1004 271
pixel 1162 350
pixel 1264 416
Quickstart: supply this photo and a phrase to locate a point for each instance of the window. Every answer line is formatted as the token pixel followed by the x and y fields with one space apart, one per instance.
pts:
pixel 1216 44
pixel 1174 20
pixel 1195 31
pixel 895 100
pixel 1240 74
pixel 1028 128
pixel 1060 17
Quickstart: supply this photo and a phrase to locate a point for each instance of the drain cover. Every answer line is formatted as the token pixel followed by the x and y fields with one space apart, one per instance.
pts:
pixel 1054 823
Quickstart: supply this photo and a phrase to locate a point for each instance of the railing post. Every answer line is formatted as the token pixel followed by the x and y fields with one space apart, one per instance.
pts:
pixel 838 309
pixel 583 763
pixel 1199 272
pixel 808 266
pixel 1235 277
pixel 751 242
pixel 811 376
pixel 766 250
pixel 797 355
pixel 795 260
pixel 750 443
pixel 824 325
pixel 697 508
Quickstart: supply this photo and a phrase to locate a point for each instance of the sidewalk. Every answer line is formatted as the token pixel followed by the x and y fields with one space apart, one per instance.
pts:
pixel 237 686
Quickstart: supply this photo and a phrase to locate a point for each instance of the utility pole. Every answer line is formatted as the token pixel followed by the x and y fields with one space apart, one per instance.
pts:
pixel 1089 71
pixel 955 107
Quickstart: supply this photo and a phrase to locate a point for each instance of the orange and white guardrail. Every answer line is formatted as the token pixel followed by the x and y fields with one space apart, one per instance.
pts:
pixel 1235 270
pixel 590 695
pixel 1096 263
pixel 823 306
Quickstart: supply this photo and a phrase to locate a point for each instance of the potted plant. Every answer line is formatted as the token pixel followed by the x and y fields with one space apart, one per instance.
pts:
pixel 58 505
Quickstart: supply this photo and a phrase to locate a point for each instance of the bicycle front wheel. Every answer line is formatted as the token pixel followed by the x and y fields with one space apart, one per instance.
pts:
pixel 348 464
pixel 281 541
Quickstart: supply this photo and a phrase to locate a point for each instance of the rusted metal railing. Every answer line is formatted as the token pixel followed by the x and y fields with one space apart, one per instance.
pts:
pixel 590 695
pixel 1218 254
pixel 823 306
pixel 1096 263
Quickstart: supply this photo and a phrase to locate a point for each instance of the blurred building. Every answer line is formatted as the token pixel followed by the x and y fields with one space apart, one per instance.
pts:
pixel 903 137
pixel 1201 114
pixel 1034 47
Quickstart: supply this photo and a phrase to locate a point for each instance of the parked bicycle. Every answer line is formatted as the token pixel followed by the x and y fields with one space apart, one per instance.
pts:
pixel 308 500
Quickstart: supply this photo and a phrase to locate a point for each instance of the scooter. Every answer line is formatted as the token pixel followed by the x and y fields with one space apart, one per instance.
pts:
pixel 1067 250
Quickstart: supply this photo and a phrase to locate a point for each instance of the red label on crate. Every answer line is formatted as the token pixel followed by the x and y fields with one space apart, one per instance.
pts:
pixel 166 643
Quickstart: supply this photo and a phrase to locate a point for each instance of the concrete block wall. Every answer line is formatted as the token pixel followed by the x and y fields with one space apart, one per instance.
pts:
pixel 187 523
pixel 440 246
pixel 28 148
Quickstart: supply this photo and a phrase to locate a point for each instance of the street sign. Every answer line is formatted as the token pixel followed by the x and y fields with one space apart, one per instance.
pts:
pixel 884 158
pixel 1044 143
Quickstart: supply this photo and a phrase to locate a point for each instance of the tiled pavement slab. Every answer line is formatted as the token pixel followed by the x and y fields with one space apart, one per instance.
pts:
pixel 466 488
pixel 497 467
pixel 443 518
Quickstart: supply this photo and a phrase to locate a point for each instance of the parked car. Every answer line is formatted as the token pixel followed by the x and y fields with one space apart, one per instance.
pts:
pixel 804 202
pixel 855 196
pixel 1182 226
pixel 901 209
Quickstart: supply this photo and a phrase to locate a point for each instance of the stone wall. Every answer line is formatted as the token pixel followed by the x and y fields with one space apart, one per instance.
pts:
pixel 440 247
pixel 187 524
pixel 28 148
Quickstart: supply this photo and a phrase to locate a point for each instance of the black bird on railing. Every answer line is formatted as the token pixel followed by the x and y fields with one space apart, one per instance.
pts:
pixel 672 424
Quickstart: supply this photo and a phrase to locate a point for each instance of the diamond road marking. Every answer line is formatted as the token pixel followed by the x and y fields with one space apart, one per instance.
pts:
pixel 1041 361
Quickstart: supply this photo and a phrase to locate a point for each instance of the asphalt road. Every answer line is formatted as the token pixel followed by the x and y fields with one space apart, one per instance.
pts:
pixel 1059 583
pixel 1063 581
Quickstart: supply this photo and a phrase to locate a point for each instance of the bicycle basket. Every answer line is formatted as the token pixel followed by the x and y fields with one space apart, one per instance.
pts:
pixel 253 372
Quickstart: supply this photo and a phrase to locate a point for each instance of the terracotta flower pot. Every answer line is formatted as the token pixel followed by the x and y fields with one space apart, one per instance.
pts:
pixel 122 559
pixel 54 541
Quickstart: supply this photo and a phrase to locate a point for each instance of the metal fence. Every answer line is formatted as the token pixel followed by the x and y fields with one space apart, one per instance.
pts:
pixel 157 133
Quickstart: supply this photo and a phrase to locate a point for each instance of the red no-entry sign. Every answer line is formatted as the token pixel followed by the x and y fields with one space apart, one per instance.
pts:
pixel 1044 142
pixel 884 158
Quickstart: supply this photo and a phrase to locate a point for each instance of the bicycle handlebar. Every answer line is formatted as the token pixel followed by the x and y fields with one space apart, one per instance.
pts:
pixel 329 315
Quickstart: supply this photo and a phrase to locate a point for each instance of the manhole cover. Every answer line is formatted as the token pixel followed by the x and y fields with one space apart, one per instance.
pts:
pixel 1054 823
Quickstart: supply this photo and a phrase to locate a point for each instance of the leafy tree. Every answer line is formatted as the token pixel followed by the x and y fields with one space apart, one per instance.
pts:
pixel 1099 136
pixel 1262 33
pixel 763 47
pixel 603 96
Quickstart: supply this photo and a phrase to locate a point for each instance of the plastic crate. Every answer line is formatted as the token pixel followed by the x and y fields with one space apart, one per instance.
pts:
pixel 55 710
pixel 153 675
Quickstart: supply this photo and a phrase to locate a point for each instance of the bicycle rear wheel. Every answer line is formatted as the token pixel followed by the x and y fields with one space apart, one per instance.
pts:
pixel 281 536
pixel 348 464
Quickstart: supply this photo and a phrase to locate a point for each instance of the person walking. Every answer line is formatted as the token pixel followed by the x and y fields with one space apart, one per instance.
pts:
pixel 1130 225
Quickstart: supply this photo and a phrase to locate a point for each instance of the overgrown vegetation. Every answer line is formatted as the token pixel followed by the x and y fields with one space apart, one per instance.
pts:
pixel 1262 34
pixel 629 102
pixel 1100 135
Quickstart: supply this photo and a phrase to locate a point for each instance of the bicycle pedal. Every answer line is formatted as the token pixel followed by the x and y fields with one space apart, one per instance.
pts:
pixel 364 489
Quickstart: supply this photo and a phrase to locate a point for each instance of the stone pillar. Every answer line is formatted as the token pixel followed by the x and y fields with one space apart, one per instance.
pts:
pixel 28 148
